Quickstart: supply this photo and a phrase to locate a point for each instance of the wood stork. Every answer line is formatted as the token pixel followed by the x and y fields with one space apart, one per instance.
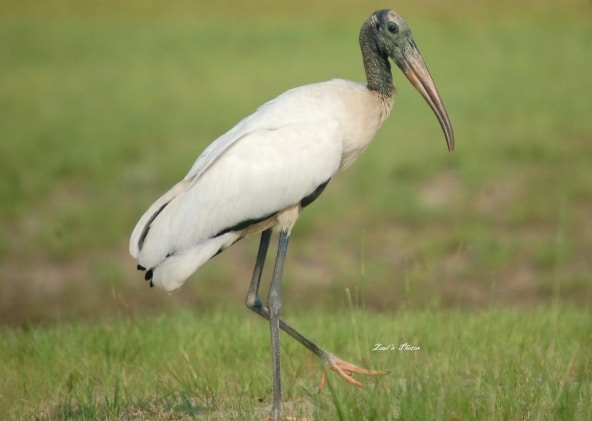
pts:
pixel 260 174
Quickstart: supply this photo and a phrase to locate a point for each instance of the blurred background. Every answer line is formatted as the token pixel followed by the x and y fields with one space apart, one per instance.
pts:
pixel 105 105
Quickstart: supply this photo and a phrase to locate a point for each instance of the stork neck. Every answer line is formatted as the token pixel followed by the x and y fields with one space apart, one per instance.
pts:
pixel 376 65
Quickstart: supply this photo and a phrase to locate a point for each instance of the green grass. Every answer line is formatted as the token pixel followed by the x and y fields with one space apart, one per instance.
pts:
pixel 490 364
pixel 104 108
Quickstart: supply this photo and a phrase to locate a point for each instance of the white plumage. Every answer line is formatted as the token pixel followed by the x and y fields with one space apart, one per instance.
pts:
pixel 267 163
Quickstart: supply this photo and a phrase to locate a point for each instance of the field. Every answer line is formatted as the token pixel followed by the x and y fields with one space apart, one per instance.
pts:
pixel 483 257
pixel 484 365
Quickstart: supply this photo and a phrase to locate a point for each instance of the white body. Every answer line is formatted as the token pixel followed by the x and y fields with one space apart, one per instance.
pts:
pixel 264 166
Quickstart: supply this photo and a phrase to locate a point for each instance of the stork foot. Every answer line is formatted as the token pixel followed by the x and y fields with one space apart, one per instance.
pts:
pixel 345 371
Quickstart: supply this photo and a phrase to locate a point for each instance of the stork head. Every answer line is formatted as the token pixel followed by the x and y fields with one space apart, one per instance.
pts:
pixel 391 37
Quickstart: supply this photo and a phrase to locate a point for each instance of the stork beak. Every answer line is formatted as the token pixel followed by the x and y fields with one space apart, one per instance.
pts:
pixel 411 63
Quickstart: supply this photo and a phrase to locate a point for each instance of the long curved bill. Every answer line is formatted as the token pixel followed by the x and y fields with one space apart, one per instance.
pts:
pixel 417 72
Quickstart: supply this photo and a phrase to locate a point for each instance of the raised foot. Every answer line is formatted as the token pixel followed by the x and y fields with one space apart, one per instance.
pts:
pixel 345 371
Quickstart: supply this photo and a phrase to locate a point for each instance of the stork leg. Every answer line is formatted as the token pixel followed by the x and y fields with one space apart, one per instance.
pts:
pixel 254 303
pixel 275 306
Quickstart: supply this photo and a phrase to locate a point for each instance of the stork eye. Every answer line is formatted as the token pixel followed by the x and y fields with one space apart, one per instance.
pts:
pixel 392 28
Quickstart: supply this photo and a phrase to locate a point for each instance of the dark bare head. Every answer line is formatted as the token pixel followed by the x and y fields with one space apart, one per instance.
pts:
pixel 386 34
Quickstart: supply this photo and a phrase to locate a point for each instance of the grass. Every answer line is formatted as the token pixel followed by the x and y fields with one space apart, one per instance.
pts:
pixel 489 364
pixel 105 108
